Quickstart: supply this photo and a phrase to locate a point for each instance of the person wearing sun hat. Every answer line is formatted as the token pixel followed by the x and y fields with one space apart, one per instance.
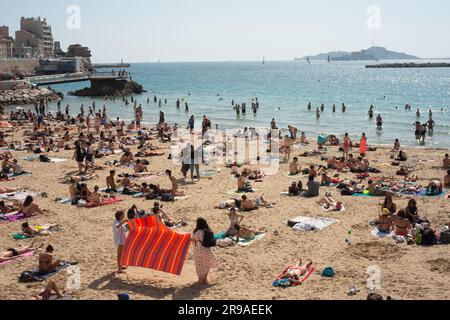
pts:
pixel 384 222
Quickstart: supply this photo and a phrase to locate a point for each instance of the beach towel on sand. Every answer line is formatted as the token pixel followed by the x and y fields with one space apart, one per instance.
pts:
pixel 40 277
pixel 309 224
pixel 14 217
pixel 22 256
pixel 17 195
pixel 376 233
pixel 152 245
pixel 423 193
pixel 106 202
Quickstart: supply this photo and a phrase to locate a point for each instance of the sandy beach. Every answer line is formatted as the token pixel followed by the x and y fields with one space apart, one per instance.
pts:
pixel 407 271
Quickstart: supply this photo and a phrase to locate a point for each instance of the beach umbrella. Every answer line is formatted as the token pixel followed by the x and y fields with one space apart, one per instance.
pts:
pixel 5 125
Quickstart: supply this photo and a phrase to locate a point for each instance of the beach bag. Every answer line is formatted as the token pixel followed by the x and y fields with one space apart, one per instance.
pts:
pixel 208 239
pixel 428 237
pixel 44 158
pixel 445 237
pixel 26 276
pixel 328 272
pixel 166 197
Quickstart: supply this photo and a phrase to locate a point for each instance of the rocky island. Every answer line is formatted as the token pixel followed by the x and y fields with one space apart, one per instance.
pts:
pixel 409 65
pixel 109 87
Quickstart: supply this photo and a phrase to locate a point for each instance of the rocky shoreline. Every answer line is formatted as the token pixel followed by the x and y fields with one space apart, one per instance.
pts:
pixel 28 96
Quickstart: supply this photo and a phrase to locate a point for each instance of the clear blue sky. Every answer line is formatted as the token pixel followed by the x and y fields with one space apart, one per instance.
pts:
pixel 213 30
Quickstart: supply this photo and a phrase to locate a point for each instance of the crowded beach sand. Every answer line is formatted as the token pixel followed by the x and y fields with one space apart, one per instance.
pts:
pixel 85 235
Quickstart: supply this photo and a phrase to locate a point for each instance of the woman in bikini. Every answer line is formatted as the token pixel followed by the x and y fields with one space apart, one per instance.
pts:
pixel 389 205
pixel 401 224
pixel 346 145
pixel 174 181
pixel 235 222
pixel 29 209
pixel 14 252
pixel 46 263
pixel 294 273
pixel 411 212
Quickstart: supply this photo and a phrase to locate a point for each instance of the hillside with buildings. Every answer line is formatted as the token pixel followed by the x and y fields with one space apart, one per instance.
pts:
pixel 33 51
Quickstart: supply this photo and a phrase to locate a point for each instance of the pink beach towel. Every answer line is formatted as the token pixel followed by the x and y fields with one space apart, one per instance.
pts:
pixel 106 202
pixel 22 256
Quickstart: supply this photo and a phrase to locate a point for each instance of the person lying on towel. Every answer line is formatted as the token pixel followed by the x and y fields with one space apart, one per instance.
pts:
pixel 293 274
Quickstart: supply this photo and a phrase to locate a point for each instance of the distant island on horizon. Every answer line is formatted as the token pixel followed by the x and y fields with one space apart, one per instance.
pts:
pixel 371 54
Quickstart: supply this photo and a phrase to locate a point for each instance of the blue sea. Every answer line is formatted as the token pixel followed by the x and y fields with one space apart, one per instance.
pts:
pixel 284 90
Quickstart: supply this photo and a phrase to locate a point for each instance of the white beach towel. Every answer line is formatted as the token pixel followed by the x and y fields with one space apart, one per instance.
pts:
pixel 307 224
pixel 376 233
pixel 18 195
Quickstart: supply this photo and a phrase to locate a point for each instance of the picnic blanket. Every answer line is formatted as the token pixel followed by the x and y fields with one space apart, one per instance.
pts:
pixel 308 224
pixel 152 245
pixel 21 256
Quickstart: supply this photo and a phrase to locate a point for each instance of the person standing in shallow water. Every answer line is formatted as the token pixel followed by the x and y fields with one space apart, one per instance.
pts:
pixel 379 121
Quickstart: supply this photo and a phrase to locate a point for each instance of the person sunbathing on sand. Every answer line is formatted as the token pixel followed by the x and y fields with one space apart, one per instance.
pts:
pixel 303 139
pixel 401 224
pixel 126 158
pixel 384 222
pixel 446 162
pixel 447 179
pixel 95 198
pixel 29 209
pixel 294 190
pixel 11 253
pixel 111 185
pixel 36 231
pixel 389 205
pixel 46 263
pixel 294 167
pixel 8 208
pixel 244 184
pixel 129 188
pixel 249 205
pixel 294 273
pixel 434 188
pixel 139 167
pixel 330 204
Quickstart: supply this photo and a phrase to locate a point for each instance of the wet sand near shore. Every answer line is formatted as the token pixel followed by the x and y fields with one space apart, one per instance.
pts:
pixel 407 272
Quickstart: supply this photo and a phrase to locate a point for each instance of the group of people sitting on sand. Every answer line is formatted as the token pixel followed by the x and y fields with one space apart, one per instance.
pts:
pixel 406 222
